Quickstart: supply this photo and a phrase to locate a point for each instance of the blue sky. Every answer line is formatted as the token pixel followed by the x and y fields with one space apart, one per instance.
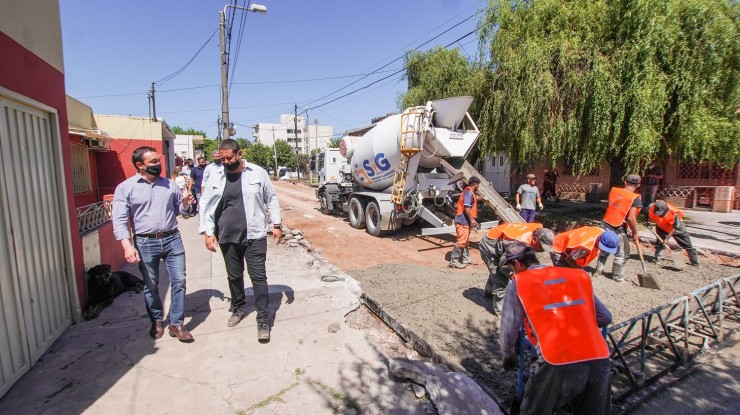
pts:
pixel 114 50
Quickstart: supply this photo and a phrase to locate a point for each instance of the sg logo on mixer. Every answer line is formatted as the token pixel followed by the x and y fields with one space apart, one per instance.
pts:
pixel 381 165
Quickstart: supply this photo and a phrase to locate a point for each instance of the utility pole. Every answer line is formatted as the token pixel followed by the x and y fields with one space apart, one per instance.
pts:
pixel 274 151
pixel 224 125
pixel 218 124
pixel 154 104
pixel 307 137
pixel 316 124
pixel 295 134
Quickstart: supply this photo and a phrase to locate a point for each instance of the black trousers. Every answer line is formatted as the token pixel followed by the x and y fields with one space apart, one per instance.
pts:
pixel 254 251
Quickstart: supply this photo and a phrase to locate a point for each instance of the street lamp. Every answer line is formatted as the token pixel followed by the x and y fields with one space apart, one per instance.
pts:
pixel 226 127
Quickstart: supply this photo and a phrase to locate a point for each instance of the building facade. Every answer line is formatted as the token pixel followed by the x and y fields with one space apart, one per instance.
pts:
pixel 304 138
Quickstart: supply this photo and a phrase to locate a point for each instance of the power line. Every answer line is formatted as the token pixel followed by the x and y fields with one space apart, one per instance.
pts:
pixel 394 60
pixel 242 24
pixel 179 71
pixel 385 77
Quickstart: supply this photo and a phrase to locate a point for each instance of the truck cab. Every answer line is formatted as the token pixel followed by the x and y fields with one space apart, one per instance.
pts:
pixel 333 171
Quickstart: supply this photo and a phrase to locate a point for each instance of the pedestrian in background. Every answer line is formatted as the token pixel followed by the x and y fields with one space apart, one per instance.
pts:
pixel 562 316
pixel 215 165
pixel 528 198
pixel 234 218
pixel 669 222
pixel 653 176
pixel 196 180
pixel 550 190
pixel 466 218
pixel 149 203
pixel 621 213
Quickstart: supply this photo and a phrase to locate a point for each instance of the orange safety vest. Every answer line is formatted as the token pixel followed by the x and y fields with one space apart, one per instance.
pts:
pixel 584 237
pixel 461 203
pixel 561 315
pixel 666 222
pixel 514 231
pixel 620 202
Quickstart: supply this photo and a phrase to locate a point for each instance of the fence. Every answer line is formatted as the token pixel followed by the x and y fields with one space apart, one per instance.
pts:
pixel 92 216
pixel 650 349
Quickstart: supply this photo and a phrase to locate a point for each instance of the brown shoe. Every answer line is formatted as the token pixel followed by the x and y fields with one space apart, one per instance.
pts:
pixel 181 333
pixel 157 329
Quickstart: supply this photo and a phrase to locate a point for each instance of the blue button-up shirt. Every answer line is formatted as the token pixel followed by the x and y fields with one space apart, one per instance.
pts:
pixel 151 207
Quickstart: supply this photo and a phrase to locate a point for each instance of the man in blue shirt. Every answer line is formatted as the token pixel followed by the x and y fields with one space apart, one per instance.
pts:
pixel 196 181
pixel 150 202
pixel 465 219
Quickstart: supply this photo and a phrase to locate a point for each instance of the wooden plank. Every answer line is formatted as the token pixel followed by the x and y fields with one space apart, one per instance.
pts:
pixel 500 206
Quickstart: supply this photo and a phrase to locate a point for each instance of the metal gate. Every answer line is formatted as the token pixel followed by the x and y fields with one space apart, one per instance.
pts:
pixel 34 238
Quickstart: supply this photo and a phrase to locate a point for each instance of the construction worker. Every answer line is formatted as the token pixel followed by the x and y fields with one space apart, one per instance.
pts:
pixel 493 246
pixel 465 220
pixel 578 247
pixel 624 206
pixel 561 317
pixel 669 222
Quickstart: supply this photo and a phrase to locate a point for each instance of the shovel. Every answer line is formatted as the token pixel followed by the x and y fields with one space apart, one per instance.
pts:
pixel 677 258
pixel 646 279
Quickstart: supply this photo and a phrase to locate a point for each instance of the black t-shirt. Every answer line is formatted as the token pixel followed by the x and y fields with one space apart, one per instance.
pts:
pixel 231 221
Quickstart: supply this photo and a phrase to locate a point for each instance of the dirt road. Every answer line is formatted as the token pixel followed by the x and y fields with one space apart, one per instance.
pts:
pixel 408 275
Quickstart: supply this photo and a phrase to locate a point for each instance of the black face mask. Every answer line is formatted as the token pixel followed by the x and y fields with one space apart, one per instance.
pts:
pixel 155 170
pixel 231 167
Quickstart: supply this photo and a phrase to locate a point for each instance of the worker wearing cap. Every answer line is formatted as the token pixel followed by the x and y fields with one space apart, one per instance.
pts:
pixel 492 247
pixel 578 247
pixel 669 221
pixel 465 219
pixel 561 316
pixel 526 196
pixel 621 212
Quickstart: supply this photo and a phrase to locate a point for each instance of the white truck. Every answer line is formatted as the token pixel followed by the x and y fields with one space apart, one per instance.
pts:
pixel 399 171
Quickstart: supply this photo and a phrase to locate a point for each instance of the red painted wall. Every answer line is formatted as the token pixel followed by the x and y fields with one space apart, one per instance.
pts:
pixel 111 251
pixel 115 166
pixel 28 75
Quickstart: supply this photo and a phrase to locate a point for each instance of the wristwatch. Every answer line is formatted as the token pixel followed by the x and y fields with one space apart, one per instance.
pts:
pixel 278 226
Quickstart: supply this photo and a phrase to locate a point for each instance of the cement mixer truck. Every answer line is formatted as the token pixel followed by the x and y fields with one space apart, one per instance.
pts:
pixel 400 170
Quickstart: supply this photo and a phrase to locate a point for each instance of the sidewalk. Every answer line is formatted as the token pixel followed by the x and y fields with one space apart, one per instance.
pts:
pixel 718 233
pixel 111 366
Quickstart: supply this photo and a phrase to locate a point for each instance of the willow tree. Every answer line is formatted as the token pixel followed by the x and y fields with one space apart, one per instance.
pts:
pixel 621 80
pixel 438 73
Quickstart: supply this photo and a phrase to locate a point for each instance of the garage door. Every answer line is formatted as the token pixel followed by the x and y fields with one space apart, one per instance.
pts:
pixel 34 283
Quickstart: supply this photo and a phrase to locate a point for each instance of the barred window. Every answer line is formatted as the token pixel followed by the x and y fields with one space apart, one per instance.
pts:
pixel 81 179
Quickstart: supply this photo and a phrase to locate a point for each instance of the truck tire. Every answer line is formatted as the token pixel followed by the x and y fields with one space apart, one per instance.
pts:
pixel 372 219
pixel 326 206
pixel 356 213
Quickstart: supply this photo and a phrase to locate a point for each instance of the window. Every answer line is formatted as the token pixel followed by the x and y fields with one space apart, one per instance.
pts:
pixel 81 180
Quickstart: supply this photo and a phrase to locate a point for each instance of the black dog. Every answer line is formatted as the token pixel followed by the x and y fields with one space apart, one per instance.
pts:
pixel 103 286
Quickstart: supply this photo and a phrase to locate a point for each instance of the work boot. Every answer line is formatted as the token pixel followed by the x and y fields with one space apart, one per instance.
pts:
pixel 465 256
pixel 263 333
pixel 488 291
pixel 498 306
pixel 455 258
pixel 599 271
pixel 693 257
pixel 658 251
pixel 617 272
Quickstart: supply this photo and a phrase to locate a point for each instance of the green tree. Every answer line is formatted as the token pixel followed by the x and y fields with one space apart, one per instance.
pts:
pixel 190 131
pixel 285 154
pixel 438 73
pixel 619 80
pixel 209 146
pixel 334 142
pixel 259 154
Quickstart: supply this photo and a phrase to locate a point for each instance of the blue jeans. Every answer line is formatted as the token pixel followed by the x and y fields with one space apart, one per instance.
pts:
pixel 527 215
pixel 171 250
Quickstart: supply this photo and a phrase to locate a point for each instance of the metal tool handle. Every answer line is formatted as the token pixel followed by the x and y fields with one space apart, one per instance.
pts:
pixel 642 260
pixel 664 242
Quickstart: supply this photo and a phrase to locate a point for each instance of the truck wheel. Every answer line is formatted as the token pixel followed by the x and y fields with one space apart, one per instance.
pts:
pixel 356 213
pixel 372 219
pixel 326 205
